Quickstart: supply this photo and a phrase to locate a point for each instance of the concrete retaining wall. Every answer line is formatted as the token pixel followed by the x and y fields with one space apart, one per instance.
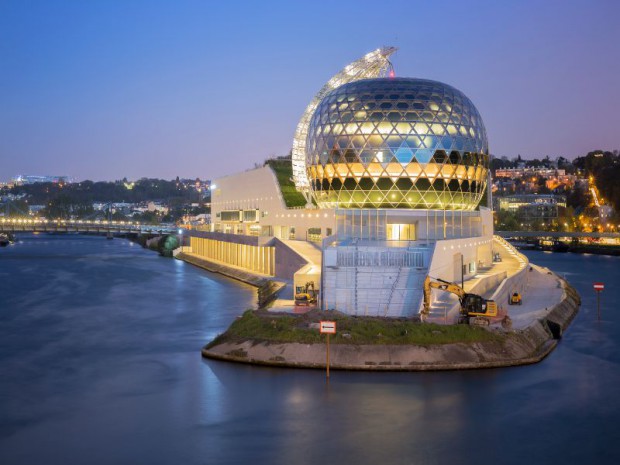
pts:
pixel 223 269
pixel 523 348
pixel 563 313
pixel 520 348
pixel 268 289
pixel 488 283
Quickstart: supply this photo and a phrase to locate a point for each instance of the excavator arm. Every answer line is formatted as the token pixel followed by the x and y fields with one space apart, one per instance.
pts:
pixel 472 305
pixel 435 283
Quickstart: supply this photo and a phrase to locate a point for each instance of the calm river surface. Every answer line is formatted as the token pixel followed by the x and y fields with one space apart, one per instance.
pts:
pixel 100 364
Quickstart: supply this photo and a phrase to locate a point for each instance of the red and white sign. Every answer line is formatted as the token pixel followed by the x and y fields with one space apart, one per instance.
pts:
pixel 599 287
pixel 327 327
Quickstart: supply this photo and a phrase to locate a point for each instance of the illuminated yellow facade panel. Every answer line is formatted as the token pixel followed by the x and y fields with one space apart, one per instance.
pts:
pixel 255 258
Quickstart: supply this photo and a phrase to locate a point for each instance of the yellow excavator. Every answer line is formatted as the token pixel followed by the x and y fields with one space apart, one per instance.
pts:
pixel 515 299
pixel 475 310
pixel 305 295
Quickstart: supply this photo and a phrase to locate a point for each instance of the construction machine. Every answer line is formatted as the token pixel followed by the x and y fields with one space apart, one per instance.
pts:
pixel 475 310
pixel 305 295
pixel 515 299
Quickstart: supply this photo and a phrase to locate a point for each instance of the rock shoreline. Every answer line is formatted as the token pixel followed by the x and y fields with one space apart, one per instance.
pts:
pixel 521 347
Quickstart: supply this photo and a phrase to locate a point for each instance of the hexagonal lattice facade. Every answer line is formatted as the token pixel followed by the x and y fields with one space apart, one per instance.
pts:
pixel 397 143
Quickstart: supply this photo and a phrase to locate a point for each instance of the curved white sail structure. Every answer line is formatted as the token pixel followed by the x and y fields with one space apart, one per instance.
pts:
pixel 372 65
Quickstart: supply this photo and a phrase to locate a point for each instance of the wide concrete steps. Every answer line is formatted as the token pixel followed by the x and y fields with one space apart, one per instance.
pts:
pixel 375 291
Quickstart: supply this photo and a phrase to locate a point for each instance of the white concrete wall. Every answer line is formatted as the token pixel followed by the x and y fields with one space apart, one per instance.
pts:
pixel 475 251
pixel 515 283
pixel 248 190
pixel 259 189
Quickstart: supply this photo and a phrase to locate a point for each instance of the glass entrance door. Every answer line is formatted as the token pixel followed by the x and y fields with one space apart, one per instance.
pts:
pixel 401 232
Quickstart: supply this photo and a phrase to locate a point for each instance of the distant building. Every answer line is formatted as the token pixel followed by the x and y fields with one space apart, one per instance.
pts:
pixel 34 209
pixel 21 179
pixel 554 178
pixel 504 186
pixel 605 212
pixel 567 181
pixel 531 207
pixel 514 173
pixel 116 206
pixel 200 219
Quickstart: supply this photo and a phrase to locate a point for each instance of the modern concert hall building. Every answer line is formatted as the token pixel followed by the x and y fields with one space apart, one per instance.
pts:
pixel 392 175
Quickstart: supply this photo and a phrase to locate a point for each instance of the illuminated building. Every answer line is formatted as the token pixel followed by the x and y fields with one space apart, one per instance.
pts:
pixel 392 171
pixel 513 203
pixel 29 179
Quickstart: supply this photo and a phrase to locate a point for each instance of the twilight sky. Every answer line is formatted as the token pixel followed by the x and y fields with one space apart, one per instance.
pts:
pixel 105 89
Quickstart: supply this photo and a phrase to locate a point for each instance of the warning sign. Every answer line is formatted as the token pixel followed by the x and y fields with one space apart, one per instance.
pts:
pixel 328 327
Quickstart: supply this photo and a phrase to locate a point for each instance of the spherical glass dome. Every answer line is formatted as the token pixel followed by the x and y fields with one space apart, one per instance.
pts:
pixel 397 143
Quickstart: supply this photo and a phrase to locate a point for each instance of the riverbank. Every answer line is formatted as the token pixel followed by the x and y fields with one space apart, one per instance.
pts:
pixel 463 348
pixel 595 249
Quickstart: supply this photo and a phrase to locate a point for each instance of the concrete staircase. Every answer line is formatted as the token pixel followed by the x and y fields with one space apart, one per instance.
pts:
pixel 375 291
pixel 376 280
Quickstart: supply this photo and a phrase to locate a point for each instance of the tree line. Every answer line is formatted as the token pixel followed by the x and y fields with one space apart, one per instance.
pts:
pixel 75 200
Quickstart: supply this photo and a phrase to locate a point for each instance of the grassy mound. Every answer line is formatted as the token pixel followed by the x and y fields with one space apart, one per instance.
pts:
pixel 268 327
pixel 284 173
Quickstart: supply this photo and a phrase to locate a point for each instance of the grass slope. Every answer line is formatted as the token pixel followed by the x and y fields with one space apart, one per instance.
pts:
pixel 284 173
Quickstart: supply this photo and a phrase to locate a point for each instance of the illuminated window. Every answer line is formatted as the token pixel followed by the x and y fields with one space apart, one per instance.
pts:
pixel 401 232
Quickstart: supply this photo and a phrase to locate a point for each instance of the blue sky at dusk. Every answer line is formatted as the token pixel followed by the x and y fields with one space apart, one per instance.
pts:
pixel 106 89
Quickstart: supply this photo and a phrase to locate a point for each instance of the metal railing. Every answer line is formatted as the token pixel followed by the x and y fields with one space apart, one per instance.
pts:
pixel 389 258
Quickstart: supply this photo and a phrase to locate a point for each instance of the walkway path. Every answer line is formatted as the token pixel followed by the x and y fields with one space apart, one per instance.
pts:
pixel 543 291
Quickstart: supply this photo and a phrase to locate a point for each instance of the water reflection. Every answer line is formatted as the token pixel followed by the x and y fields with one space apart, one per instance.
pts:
pixel 101 343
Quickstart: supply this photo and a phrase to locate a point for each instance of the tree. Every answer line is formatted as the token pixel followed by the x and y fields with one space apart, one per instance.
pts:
pixel 506 221
pixel 563 163
pixel 578 199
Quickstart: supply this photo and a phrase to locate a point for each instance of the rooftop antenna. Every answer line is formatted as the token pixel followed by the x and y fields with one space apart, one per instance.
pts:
pixel 392 72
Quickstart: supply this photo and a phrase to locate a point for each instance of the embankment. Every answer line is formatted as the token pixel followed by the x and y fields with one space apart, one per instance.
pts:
pixel 521 347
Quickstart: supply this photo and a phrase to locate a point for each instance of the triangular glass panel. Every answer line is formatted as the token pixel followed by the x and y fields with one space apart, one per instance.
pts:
pixel 423 155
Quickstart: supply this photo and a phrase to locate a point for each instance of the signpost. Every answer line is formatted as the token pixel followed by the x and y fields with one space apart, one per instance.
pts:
pixel 598 288
pixel 327 327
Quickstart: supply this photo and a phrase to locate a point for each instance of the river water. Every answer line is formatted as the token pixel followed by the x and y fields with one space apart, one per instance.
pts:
pixel 100 364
